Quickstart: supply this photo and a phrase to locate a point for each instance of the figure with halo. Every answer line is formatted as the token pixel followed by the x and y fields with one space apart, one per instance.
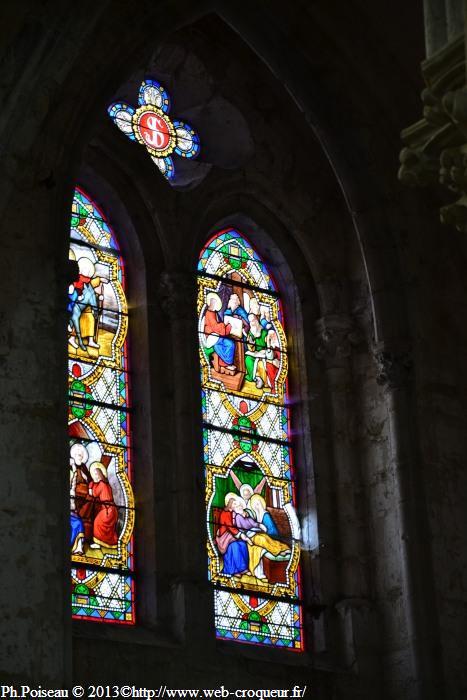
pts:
pixel 104 532
pixel 84 296
pixel 216 333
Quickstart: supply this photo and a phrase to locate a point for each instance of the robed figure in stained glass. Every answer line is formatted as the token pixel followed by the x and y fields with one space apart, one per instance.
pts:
pixel 237 528
pixel 101 495
pixel 105 513
pixel 85 295
pixel 231 541
pixel 80 478
pixel 216 332
pixel 76 523
pixel 252 527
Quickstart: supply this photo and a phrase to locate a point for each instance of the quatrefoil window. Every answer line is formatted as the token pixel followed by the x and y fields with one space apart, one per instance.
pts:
pixel 151 126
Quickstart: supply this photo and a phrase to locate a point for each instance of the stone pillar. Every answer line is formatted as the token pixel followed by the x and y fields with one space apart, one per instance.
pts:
pixel 337 337
pixel 454 18
pixel 177 296
pixel 435 147
pixel 35 605
pixel 435 25
pixel 394 371
pixel 444 21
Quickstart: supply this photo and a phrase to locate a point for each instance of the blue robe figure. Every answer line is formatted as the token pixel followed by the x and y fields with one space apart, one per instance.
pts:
pixel 236 558
pixel 77 529
pixel 270 525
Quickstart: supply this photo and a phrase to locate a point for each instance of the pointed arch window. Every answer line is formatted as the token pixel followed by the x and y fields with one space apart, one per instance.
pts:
pixel 253 534
pixel 101 495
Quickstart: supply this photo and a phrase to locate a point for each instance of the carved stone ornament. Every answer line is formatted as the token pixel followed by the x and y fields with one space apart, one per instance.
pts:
pixel 436 146
pixel 394 367
pixel 336 335
pixel 177 294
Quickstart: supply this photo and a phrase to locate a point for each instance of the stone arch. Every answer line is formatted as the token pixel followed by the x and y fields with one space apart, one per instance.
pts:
pixel 364 195
pixel 44 183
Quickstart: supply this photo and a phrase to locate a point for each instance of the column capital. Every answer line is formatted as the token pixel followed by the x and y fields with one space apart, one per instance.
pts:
pixel 336 336
pixel 393 366
pixel 177 294
pixel 435 147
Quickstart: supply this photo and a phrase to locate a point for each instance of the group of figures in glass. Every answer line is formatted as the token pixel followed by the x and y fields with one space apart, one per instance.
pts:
pixel 253 531
pixel 247 532
pixel 93 512
pixel 253 534
pixel 253 360
pixel 101 496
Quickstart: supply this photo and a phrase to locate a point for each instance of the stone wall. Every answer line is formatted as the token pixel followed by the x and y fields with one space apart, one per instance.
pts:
pixel 317 95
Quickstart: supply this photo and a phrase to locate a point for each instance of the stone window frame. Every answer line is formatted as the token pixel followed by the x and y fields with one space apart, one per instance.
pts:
pixel 273 244
pixel 153 300
pixel 144 629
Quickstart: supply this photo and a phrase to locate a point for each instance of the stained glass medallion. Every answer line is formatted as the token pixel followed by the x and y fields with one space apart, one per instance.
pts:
pixel 150 125
pixel 253 533
pixel 101 495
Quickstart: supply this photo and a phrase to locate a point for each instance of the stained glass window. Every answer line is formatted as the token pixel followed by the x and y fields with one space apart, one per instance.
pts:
pixel 150 125
pixel 101 495
pixel 253 533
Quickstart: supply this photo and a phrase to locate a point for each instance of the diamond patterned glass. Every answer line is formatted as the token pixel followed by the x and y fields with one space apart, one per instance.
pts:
pixel 253 533
pixel 101 496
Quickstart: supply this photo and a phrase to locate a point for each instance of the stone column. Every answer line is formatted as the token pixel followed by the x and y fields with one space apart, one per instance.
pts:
pixel 444 21
pixel 454 18
pixel 35 605
pixel 394 371
pixel 435 25
pixel 337 337
pixel 177 296
pixel 435 152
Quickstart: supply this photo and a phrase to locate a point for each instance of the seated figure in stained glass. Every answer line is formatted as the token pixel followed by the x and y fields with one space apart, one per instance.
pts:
pixel 252 527
pixel 106 515
pixel 243 540
pixel 216 343
pixel 101 495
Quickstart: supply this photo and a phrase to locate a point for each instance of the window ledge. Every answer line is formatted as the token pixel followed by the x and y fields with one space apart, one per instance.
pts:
pixel 322 661
pixel 275 656
pixel 130 634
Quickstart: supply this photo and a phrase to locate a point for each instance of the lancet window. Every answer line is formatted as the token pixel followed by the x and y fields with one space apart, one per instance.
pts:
pixel 253 533
pixel 101 495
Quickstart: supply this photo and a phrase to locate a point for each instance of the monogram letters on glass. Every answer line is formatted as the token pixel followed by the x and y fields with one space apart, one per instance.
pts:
pixel 151 126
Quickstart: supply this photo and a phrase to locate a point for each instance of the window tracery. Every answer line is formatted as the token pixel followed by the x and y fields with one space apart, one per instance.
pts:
pixel 150 125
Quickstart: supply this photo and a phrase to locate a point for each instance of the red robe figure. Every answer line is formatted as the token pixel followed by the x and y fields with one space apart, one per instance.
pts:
pixel 104 531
